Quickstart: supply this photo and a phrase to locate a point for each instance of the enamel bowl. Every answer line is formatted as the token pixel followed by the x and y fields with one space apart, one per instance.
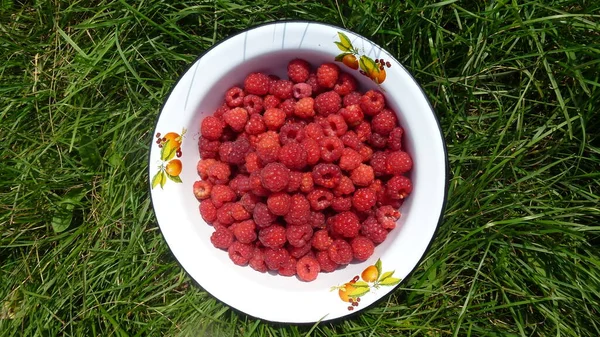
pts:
pixel 200 90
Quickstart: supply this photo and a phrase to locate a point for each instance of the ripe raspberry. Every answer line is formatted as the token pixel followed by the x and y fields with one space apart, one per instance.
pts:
pixel 331 149
pixel 253 104
pixel 362 248
pixel 345 84
pixel 387 216
pixel 341 204
pixel 229 134
pixel 262 216
pixel 295 181
pixel 240 184
pixel 372 102
pixel 327 175
pixel 236 118
pixel 245 231
pixel 352 98
pixel 267 149
pixel 256 184
pixel 221 110
pixel 384 122
pixel 291 133
pixel 299 213
pixel 344 224
pixel 299 236
pixel 334 126
pixel 340 252
pixel 288 106
pixel 350 159
pixel 271 101
pixel 299 252
pixel 298 70
pixel 208 148
pixel 234 97
pixel 224 215
pixel 378 141
pixel 221 194
pixel 272 236
pixel 395 139
pixel 252 162
pixel 302 90
pixel 373 230
pixel 316 88
pixel 325 262
pixel 308 268
pixel 211 128
pixel 327 75
pixel 274 118
pixel 363 175
pixel 345 187
pixel 328 103
pixel 307 184
pixel 317 220
pixel 202 167
pixel 255 125
pixel 319 199
pixel 239 213
pixel 399 187
pixel 234 152
pixel 257 261
pixel 363 131
pixel 281 89
pixel 314 131
pixel 305 107
pixel 275 258
pixel 249 201
pixel 293 156
pixel 352 114
pixel 365 152
pixel 313 151
pixel 202 189
pixel 240 253
pixel 364 199
pixel 279 203
pixel 379 163
pixel 398 162
pixel 288 268
pixel 221 238
pixel 350 139
pixel 275 177
pixel 218 173
pixel 208 211
pixel 257 84
pixel 321 240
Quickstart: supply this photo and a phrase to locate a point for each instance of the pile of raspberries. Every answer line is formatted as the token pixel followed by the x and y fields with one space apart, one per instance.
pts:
pixel 301 175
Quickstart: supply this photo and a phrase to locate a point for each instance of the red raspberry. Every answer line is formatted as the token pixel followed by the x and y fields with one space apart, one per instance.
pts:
pixel 234 152
pixel 218 173
pixel 293 156
pixel 399 187
pixel 387 216
pixel 221 194
pixel 341 204
pixel 302 90
pixel 315 87
pixel 395 139
pixel 314 131
pixel 298 70
pixel 202 189
pixel 334 125
pixel 295 181
pixel 362 248
pixel 345 187
pixel 257 261
pixel 325 262
pixel 291 133
pixel 327 175
pixel 202 167
pixel 252 162
pixel 313 151
pixel 253 104
pixel 229 134
pixel 352 114
pixel 363 175
pixel 257 84
pixel 267 148
pixel 271 101
pixel 305 107
pixel 378 141
pixel 221 110
pixel 364 199
pixel 346 84
pixel 255 125
pixel 257 186
pixel 212 128
pixel 372 102
pixel 379 163
pixel 279 203
pixel 307 184
pixel 288 268
pixel 319 199
pixel 239 213
pixel 288 106
pixel 272 236
pixel 344 224
pixel 350 159
pixel 384 122
pixel 307 268
pixel 262 216
pixel 281 89
pixel 240 253
pixel 317 220
pixel 331 149
pixel 350 139
pixel 328 103
pixel 221 238
pixel 249 201
pixel 363 131
pixel 275 177
pixel 299 236
pixel 365 152
pixel 208 148
pixel 373 230
pixel 234 97
pixel 299 252
pixel 299 213
pixel 224 216
pixel 321 240
pixel 274 118
pixel 208 211
pixel 340 252
pixel 398 162
pixel 327 75
pixel 236 118
pixel 245 231
pixel 275 258
pixel 352 98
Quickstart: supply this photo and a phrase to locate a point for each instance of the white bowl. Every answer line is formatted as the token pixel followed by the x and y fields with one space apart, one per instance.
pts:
pixel 200 91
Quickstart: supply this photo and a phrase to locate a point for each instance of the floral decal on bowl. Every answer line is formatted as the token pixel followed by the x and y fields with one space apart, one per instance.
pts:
pixel 170 167
pixel 371 278
pixel 350 56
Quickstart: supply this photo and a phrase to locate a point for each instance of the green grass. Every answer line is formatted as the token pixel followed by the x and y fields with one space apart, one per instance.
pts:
pixel 515 85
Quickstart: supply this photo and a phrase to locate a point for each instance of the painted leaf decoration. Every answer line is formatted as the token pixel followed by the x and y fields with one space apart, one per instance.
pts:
pixel 156 179
pixel 174 178
pixel 341 46
pixel 386 275
pixel 345 41
pixel 367 64
pixel 390 281
pixel 360 284
pixel 340 57
pixel 378 266
pixel 163 179
pixel 357 292
pixel 168 151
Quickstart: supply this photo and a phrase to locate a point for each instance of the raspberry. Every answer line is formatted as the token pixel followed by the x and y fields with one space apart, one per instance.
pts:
pixel 299 252
pixel 317 220
pixel 224 215
pixel 327 75
pixel 331 149
pixel 305 107
pixel 245 231
pixel 312 81
pixel 295 181
pixel 395 139
pixel 345 187
pixel 240 253
pixel 203 166
pixel 298 70
pixel 387 216
pixel 313 151
pixel 307 184
pixel 274 177
pixel 344 224
pixel 253 104
pixel 363 131
pixel 288 107
pixel 221 194
pixel 325 262
pixel 378 141
pixel 229 134
pixel 218 173
pixel 252 162
pixel 293 156
pixel 299 236
pixel 202 189
pixel 363 175
pixel 365 152
pixel 256 185
pixel 364 199
pixel 239 213
pixel 352 114
pixel 257 261
pixel 398 162
pixel 362 248
pixel 350 159
pixel 257 84
pixel 249 201
pixel 274 118
pixel 221 238
pixel 281 89
pixel 327 175
pixel 255 125
pixel 340 252
pixel 341 204
pixel 208 211
pixel 302 90
pixel 328 103
pixel 275 258
pixel 267 149
pixel 221 110
pixel 314 130
pixel 373 230
pixel 279 203
pixel 384 122
pixel 291 133
pixel 270 101
pixel 320 199
pixel 346 84
pixel 234 152
pixel 234 97
pixel 262 216
pixel 307 268
pixel 399 187
pixel 372 102
pixel 208 148
pixel 236 118
pixel 272 236
pixel 211 128
pixel 379 163
pixel 288 268
pixel 352 98
pixel 350 139
pixel 299 213
pixel 334 125
pixel 321 240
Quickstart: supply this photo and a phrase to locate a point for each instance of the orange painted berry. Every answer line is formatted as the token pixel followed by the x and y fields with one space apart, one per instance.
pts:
pixel 370 274
pixel 174 167
pixel 351 61
pixel 345 290
pixel 174 138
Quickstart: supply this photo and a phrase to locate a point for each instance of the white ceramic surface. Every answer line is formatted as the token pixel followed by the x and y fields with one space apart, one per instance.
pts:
pixel 200 91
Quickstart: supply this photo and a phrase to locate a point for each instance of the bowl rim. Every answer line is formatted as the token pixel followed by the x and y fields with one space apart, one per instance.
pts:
pixel 350 314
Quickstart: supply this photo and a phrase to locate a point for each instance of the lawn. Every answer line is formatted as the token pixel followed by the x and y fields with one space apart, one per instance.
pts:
pixel 515 85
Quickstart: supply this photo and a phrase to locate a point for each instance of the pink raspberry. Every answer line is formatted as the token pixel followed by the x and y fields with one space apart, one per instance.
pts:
pixel 272 236
pixel 307 268
pixel 328 103
pixel 365 152
pixel 302 90
pixel 345 224
pixel 316 88
pixel 340 252
pixel 362 248
pixel 221 110
pixel 299 236
pixel 240 253
pixel 327 75
pixel 298 70
pixel 221 238
pixel 257 84
pixel 212 128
